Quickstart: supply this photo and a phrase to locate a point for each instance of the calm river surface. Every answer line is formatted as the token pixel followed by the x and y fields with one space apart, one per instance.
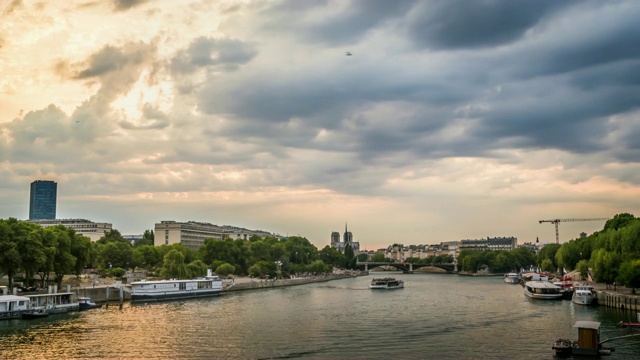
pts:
pixel 433 317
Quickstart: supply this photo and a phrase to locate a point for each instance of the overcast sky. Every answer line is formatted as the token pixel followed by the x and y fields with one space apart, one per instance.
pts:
pixel 451 120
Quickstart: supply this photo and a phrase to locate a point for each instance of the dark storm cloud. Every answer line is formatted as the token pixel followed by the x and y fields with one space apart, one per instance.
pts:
pixel 457 24
pixel 107 60
pixel 227 54
pixel 354 20
pixel 124 5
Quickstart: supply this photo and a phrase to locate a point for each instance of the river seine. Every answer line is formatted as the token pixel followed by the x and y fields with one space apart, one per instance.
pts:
pixel 436 316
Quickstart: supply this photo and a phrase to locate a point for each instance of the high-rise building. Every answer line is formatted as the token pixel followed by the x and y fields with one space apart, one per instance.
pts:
pixel 42 201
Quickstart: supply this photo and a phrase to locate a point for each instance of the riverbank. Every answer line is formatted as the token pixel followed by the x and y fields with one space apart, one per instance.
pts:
pixel 241 284
pixel 110 291
pixel 617 297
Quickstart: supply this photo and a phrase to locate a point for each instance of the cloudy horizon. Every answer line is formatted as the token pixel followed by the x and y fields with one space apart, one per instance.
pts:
pixel 450 119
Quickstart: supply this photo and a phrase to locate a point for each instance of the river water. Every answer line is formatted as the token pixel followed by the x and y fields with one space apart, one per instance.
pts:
pixel 436 316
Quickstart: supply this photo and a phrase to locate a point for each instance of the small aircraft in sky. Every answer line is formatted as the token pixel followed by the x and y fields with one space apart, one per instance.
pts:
pixel 349 53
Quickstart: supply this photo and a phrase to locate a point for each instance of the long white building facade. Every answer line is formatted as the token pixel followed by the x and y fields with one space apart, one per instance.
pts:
pixel 192 234
pixel 90 229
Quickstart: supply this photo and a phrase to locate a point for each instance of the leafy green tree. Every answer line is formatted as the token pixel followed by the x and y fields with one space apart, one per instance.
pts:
pixel 116 272
pixel 10 259
pixel 216 263
pixel 259 250
pixel 81 250
pixel 547 265
pixel 174 267
pixel 332 256
pixel 583 268
pixel 378 257
pixel 197 268
pixel 31 251
pixel 630 241
pixel 319 266
pixel 349 257
pixel 630 274
pixel 111 235
pixel 548 252
pixel 49 246
pixel 146 256
pixel 116 254
pixel 263 269
pixel 63 261
pixel 225 269
pixel 523 257
pixel 277 249
pixel 568 255
pixel 619 221
pixel 471 262
pixel 147 239
pixel 605 266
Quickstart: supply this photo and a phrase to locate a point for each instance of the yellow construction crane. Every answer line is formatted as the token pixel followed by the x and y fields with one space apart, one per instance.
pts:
pixel 556 221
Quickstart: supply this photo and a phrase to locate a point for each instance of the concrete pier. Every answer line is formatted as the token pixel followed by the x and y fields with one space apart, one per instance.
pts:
pixel 619 301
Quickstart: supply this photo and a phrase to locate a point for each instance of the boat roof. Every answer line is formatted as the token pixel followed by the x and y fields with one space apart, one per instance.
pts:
pixel 4 298
pixel 541 284
pixel 587 325
pixel 52 294
pixel 171 281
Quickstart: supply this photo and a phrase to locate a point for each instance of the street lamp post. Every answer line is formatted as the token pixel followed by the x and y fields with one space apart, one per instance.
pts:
pixel 279 267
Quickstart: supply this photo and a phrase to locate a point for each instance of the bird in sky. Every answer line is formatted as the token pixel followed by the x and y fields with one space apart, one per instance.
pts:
pixel 349 53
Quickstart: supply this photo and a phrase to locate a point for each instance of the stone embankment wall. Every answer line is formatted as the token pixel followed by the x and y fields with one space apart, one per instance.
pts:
pixel 99 294
pixel 282 282
pixel 619 301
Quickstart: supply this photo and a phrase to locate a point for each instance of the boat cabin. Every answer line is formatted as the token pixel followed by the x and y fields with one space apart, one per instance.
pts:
pixel 588 338
pixel 11 306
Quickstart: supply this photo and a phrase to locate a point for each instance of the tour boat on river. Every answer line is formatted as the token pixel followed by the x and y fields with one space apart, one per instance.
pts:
pixel 512 278
pixel 542 290
pixel 175 289
pixel 386 283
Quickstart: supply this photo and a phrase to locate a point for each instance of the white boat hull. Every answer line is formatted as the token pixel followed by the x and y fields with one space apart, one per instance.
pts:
pixel 385 287
pixel 583 299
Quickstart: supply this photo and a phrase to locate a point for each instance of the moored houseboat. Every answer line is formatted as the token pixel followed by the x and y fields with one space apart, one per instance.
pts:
pixel 54 302
pixel 11 306
pixel 175 289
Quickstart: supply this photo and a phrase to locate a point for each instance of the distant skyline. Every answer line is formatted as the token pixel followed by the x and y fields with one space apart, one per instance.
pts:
pixel 416 122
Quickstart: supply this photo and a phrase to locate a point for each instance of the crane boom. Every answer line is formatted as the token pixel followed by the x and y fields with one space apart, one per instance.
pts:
pixel 556 221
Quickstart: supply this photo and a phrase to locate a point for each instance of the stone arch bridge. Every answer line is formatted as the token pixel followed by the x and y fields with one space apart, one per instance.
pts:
pixel 407 268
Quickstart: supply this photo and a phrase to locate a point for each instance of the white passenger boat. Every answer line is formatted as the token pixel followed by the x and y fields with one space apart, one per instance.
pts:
pixel 542 290
pixel 175 289
pixel 584 295
pixel 386 283
pixel 11 306
pixel 511 278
